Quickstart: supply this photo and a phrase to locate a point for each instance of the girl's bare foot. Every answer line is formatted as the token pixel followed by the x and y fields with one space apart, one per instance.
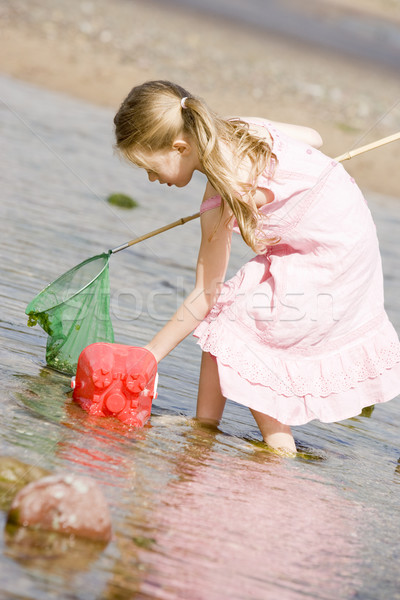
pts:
pixel 275 434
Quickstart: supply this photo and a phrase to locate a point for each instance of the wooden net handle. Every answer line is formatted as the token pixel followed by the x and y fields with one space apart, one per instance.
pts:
pixel 181 221
pixel 362 149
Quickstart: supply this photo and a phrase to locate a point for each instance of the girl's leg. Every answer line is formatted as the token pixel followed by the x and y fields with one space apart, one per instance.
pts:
pixel 210 401
pixel 275 434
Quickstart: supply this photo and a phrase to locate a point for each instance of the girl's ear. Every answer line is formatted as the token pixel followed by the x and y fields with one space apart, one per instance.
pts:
pixel 182 146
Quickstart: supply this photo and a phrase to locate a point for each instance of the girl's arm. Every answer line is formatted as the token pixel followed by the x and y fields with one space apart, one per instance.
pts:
pixel 212 263
pixel 303 134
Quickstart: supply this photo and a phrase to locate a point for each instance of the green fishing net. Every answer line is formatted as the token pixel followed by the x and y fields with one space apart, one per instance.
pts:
pixel 74 311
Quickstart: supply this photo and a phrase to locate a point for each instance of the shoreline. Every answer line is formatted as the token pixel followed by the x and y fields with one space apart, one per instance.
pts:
pixel 356 32
pixel 98 52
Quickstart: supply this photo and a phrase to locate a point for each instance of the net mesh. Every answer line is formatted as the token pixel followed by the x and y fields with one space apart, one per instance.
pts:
pixel 74 311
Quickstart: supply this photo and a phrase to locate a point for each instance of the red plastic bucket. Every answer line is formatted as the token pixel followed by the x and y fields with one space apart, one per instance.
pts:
pixel 116 380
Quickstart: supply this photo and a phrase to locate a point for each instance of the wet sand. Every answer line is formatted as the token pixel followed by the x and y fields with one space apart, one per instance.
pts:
pixel 98 50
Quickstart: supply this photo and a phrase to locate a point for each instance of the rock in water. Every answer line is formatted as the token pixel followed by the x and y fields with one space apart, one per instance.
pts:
pixel 65 503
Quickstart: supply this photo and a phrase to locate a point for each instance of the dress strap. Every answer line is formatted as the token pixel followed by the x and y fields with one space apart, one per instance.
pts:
pixel 210 203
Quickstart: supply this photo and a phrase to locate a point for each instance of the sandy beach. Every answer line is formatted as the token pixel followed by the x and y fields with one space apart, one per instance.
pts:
pixel 98 50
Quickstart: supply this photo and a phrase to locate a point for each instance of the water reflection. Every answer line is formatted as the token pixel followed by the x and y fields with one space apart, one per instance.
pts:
pixel 197 513
pixel 196 509
pixel 50 552
pixel 249 525
pixel 213 504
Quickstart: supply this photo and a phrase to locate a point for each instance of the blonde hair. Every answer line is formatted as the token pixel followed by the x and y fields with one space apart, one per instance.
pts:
pixel 156 113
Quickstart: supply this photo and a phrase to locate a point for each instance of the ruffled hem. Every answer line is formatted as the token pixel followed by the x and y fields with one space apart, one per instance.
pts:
pixel 298 410
pixel 295 374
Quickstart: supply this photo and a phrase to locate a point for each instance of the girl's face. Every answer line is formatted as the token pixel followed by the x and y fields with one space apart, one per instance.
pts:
pixel 174 166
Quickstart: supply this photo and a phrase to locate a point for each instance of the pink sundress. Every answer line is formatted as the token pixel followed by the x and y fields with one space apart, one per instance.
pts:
pixel 301 333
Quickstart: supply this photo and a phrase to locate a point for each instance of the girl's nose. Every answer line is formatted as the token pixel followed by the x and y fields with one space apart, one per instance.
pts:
pixel 152 177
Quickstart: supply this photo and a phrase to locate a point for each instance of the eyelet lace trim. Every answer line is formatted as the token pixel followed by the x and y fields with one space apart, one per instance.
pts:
pixel 300 375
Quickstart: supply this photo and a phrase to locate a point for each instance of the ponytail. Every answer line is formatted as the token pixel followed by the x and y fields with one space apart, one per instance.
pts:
pixel 154 114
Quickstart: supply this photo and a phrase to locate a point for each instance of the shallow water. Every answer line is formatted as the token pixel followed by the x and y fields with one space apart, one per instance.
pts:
pixel 197 514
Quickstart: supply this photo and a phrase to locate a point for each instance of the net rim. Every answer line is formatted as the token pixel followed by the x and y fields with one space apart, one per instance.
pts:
pixel 31 311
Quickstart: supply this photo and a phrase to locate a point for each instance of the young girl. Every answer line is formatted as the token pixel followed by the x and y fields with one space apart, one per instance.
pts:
pixel 300 332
